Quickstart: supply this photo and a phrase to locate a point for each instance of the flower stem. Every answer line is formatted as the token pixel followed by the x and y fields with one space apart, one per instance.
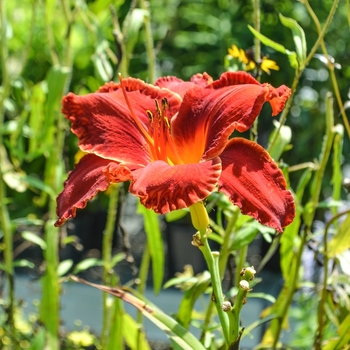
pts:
pixel 223 258
pixel 107 258
pixel 212 260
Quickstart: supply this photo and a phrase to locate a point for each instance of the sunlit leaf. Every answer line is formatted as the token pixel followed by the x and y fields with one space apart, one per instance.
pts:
pixel 292 56
pixel 134 23
pixel 341 240
pixel 40 185
pixel 343 338
pixel 12 178
pixel 175 215
pixel 166 323
pixel 184 313
pixel 87 264
pixel 298 37
pixel 155 244
pixel 34 238
pixel 23 263
pixel 64 266
pixel 133 334
pixel 283 139
pixel 117 258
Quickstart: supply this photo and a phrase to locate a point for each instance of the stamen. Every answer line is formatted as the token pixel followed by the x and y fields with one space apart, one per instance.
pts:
pixel 135 119
pixel 165 104
pixel 150 116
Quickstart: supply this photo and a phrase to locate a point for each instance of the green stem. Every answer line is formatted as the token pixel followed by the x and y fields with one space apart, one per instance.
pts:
pixel 149 42
pixel 316 189
pixel 50 38
pixel 323 32
pixel 225 248
pixel 329 63
pixel 223 258
pixel 4 214
pixel 143 274
pixel 257 57
pixel 243 286
pixel 107 258
pixel 240 261
pixel 322 303
pixel 212 260
pixel 290 292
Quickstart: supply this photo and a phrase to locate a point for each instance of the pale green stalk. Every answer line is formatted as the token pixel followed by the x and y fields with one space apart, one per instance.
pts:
pixel 298 73
pixel 223 258
pixel 107 259
pixel 142 277
pixel 212 260
pixel 322 303
pixel 4 215
pixel 330 64
pixel 325 153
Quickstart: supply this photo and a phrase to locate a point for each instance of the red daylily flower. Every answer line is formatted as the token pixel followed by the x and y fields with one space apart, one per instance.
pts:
pixel 171 141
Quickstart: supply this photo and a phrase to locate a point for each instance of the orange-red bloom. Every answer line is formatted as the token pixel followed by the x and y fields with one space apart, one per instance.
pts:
pixel 171 141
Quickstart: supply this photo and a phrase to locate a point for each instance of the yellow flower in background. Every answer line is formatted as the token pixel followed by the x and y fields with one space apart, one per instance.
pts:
pixel 247 58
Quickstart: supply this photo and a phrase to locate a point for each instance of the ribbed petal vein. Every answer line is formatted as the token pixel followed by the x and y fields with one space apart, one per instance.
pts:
pixel 91 175
pixel 164 188
pixel 253 181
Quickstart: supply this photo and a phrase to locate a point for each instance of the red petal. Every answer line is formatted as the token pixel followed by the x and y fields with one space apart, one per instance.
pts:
pixel 91 175
pixel 253 181
pixel 103 123
pixel 180 87
pixel 164 188
pixel 174 84
pixel 208 117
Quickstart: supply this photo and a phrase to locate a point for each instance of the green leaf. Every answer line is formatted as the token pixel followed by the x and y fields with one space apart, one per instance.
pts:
pixel 134 23
pixel 40 185
pixel 184 314
pixel 155 244
pixel 341 240
pixel 34 238
pixel 185 339
pixel 133 334
pixel 292 56
pixel 337 178
pixel 298 37
pixel 115 339
pixel 23 263
pixel 86 264
pixel 12 178
pixel 283 139
pixel 117 258
pixel 289 244
pixel 36 117
pixel 175 215
pixel 56 81
pixel 244 237
pixel 39 340
pixel 344 336
pixel 101 62
pixel 64 266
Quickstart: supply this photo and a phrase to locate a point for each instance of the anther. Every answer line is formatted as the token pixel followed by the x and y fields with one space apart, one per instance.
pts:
pixel 165 104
